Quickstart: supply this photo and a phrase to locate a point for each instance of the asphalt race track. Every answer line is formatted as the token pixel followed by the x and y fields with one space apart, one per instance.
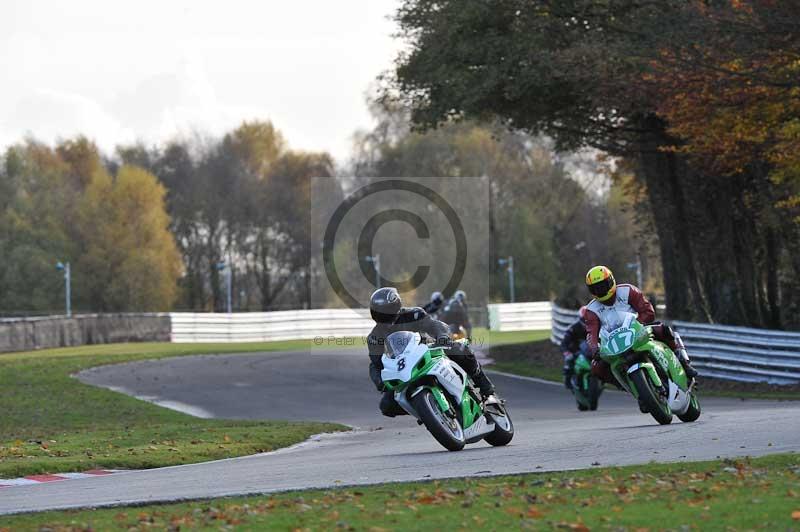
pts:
pixel 333 386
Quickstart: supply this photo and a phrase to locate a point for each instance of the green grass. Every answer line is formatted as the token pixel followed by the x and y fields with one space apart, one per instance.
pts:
pixel 762 493
pixel 528 370
pixel 51 422
pixel 481 336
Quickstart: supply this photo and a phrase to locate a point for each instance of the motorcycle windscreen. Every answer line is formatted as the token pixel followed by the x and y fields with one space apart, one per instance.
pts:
pixel 398 342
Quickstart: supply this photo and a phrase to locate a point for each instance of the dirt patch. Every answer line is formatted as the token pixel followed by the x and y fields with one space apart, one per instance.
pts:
pixel 544 360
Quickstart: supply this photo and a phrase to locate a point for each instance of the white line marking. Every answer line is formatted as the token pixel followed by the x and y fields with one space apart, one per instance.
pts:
pixel 191 410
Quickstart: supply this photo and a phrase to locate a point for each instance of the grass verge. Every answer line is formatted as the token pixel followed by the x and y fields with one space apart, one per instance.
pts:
pixel 542 359
pixel 51 422
pixel 762 493
pixel 484 337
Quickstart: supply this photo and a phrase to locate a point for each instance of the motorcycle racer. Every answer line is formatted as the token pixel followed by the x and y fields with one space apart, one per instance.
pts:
pixel 574 340
pixel 610 299
pixel 390 316
pixel 456 314
pixel 435 304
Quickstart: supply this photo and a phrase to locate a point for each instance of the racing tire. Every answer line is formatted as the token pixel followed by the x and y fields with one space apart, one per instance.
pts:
pixel 660 410
pixel 595 389
pixel 693 412
pixel 446 429
pixel 501 435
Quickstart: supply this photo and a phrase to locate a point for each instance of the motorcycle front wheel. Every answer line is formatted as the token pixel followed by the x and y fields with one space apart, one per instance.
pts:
pixel 595 389
pixel 652 400
pixel 442 425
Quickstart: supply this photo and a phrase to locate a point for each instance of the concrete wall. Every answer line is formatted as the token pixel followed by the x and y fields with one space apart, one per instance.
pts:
pixel 26 334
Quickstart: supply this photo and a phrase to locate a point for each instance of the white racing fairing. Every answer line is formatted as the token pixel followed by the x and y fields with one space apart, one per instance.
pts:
pixel 451 377
pixel 678 399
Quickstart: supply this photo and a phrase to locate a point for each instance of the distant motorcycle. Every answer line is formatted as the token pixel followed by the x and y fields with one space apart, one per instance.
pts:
pixel 585 387
pixel 436 391
pixel 649 370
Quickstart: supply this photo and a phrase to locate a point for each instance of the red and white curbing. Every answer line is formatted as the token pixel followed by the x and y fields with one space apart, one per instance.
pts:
pixel 39 479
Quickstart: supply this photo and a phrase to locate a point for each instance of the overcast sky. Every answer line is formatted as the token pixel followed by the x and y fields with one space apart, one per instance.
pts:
pixel 149 70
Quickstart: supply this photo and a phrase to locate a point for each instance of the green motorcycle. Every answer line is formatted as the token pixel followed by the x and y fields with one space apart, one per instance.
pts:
pixel 585 387
pixel 648 369
pixel 435 390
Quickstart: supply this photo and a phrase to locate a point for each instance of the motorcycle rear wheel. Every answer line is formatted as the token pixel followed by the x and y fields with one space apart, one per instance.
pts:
pixel 446 429
pixel 503 431
pixel 693 412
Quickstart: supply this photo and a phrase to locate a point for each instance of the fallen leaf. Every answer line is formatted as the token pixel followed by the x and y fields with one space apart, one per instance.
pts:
pixel 533 512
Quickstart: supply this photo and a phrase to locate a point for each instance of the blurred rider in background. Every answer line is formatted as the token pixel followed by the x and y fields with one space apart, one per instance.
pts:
pixel 455 313
pixel 434 305
pixel 574 339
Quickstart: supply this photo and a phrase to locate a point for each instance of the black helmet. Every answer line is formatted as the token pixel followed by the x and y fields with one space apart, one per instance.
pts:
pixel 384 304
pixel 437 298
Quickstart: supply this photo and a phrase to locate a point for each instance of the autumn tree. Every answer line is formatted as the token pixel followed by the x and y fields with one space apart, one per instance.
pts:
pixel 588 73
pixel 241 199
pixel 129 260
pixel 61 204
pixel 539 212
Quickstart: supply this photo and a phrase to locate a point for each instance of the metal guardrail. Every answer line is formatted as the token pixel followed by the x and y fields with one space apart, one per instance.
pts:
pixel 533 316
pixel 306 324
pixel 725 352
pixel 190 327
pixel 562 319
pixel 742 353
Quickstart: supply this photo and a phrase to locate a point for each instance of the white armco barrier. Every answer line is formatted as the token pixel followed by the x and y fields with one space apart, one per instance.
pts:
pixel 741 353
pixel 725 352
pixel 268 326
pixel 562 319
pixel 534 316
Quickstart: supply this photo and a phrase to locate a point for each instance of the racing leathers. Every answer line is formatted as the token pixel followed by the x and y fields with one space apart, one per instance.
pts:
pixel 574 336
pixel 456 314
pixel 432 307
pixel 415 319
pixel 629 298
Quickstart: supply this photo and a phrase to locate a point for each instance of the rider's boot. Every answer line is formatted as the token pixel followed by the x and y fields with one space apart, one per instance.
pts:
pixel 683 356
pixel 483 383
pixel 568 370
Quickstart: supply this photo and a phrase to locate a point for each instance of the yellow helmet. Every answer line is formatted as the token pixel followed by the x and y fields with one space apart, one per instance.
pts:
pixel 601 283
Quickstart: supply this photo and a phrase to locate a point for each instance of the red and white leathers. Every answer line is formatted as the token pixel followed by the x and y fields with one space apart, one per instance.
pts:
pixel 628 298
